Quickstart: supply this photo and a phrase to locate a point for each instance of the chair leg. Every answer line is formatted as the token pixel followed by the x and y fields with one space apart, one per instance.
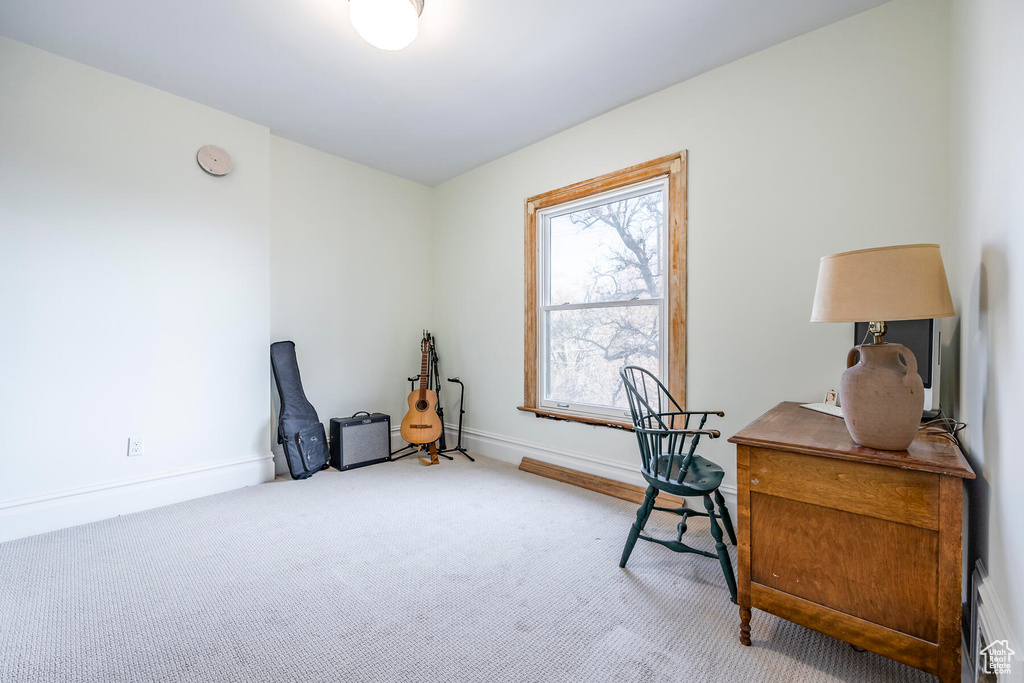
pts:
pixel 723 552
pixel 641 519
pixel 726 519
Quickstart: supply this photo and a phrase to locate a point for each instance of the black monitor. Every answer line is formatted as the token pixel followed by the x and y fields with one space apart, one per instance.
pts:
pixel 922 338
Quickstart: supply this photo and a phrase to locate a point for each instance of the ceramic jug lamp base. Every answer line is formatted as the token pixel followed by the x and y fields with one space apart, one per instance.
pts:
pixel 882 397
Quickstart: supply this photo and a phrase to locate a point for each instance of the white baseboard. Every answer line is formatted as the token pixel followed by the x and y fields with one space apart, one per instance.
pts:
pixel 281 465
pixel 38 514
pixel 511 450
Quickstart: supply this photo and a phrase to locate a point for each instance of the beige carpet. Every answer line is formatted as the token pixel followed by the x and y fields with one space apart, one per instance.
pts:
pixel 394 572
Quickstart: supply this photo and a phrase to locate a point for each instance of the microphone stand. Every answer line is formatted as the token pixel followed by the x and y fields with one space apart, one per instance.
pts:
pixel 462 411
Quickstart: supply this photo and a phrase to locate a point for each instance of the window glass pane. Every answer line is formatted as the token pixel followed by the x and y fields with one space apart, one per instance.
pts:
pixel 610 252
pixel 586 348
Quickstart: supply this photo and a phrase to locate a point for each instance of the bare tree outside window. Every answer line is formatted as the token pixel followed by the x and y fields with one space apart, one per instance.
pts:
pixel 605 297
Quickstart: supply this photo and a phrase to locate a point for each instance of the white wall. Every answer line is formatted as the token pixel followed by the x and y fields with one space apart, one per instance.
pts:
pixel 351 279
pixel 137 290
pixel 988 184
pixel 139 294
pixel 832 141
pixel 134 294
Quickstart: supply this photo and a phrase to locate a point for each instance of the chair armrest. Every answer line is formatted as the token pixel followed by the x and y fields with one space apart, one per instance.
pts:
pixel 710 433
pixel 719 413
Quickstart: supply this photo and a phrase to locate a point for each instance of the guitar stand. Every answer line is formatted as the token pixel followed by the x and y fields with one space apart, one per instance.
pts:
pixel 434 382
pixel 407 447
pixel 416 448
pixel 462 411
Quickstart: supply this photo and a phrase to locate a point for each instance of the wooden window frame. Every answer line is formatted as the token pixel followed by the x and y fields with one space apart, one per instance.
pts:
pixel 673 167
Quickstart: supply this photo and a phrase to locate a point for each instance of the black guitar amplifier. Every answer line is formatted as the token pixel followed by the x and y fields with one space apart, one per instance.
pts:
pixel 363 439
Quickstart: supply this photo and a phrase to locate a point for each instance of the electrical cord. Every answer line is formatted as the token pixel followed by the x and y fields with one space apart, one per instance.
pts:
pixel 943 426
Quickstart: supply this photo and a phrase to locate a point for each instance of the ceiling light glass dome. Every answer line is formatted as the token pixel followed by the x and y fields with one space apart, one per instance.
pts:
pixel 387 24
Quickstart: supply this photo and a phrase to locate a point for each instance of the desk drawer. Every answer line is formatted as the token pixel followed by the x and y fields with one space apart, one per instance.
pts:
pixel 905 496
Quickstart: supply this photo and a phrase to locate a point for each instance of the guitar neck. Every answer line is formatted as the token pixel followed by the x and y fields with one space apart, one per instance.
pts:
pixel 423 376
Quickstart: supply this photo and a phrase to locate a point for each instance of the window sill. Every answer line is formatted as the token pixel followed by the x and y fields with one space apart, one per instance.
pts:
pixel 572 417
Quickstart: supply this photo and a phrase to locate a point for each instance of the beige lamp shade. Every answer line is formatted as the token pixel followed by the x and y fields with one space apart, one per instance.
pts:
pixel 906 282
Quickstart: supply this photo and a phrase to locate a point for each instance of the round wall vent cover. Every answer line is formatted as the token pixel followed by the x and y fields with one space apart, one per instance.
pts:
pixel 214 160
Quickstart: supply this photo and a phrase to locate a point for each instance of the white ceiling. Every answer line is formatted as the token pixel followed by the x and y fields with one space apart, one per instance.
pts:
pixel 484 78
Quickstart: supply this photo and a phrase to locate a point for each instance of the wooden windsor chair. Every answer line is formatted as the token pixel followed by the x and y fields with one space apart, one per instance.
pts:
pixel 669 463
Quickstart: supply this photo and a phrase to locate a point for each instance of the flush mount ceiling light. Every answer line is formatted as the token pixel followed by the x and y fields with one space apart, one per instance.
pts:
pixel 387 24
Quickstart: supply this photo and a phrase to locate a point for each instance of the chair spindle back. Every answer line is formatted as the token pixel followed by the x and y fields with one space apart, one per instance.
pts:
pixel 662 427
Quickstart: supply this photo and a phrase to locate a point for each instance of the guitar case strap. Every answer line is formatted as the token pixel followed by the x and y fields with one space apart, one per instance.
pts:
pixel 299 428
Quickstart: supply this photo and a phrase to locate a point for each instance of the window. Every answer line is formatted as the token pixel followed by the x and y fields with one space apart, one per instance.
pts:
pixel 605 287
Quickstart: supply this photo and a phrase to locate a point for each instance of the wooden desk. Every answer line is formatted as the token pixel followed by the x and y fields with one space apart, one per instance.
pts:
pixel 860 544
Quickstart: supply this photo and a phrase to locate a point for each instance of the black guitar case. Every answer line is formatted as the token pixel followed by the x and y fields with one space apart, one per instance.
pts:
pixel 298 427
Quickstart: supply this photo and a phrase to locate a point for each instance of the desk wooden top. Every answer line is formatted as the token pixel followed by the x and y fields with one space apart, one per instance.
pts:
pixel 789 427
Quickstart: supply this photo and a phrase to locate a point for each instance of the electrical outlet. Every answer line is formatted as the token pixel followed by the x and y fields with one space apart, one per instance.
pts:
pixel 136 446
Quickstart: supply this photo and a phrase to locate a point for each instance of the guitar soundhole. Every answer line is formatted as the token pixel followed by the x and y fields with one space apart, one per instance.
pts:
pixel 421 405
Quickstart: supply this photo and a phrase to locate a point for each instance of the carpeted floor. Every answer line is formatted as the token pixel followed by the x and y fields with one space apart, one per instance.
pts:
pixel 394 572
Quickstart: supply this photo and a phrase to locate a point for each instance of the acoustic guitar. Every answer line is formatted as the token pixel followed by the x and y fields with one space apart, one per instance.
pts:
pixel 422 425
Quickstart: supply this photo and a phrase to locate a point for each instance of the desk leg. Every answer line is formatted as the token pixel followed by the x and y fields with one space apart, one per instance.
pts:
pixel 743 533
pixel 951 493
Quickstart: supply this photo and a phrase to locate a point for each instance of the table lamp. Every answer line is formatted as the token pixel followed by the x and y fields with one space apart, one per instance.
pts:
pixel 882 397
